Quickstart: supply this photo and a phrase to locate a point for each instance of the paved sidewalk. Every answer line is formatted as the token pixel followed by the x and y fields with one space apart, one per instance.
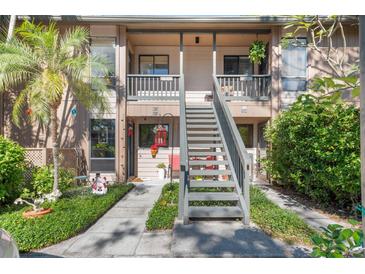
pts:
pixel 120 232
pixel 308 214
pixel 229 239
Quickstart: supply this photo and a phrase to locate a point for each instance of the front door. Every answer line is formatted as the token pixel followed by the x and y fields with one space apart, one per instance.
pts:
pixel 198 68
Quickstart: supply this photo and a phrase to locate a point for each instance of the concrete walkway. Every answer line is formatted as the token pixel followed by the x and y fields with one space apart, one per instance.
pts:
pixel 229 239
pixel 311 216
pixel 120 232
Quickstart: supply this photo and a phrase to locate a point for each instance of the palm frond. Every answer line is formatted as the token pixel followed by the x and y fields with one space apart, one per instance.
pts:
pixel 19 104
pixel 95 100
pixel 17 64
pixel 75 40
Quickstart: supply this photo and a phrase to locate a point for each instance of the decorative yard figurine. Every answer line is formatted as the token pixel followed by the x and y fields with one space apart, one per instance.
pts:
pixel 99 186
pixel 154 150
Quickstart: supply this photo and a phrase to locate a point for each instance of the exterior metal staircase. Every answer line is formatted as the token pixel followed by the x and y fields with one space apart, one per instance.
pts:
pixel 214 181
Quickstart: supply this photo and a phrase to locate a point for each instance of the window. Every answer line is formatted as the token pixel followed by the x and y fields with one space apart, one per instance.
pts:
pixel 294 65
pixel 246 132
pixel 154 64
pixel 237 65
pixel 102 135
pixel 147 134
pixel 104 48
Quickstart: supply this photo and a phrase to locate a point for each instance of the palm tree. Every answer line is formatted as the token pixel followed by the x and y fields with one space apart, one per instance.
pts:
pixel 48 64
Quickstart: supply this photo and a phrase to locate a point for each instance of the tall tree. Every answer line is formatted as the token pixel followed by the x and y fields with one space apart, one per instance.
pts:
pixel 48 64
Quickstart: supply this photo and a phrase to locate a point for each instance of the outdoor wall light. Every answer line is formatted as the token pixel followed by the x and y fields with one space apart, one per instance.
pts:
pixel 196 39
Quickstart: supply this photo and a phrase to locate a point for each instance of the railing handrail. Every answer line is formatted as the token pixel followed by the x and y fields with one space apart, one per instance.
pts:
pixel 153 75
pixel 237 138
pixel 238 154
pixel 245 75
pixel 184 177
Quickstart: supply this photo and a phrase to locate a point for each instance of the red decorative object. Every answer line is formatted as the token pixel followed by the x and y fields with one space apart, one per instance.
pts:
pixel 154 150
pixel 211 158
pixel 161 136
pixel 130 131
pixel 29 111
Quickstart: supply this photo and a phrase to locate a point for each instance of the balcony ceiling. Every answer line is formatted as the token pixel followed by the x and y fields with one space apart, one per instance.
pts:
pixel 205 39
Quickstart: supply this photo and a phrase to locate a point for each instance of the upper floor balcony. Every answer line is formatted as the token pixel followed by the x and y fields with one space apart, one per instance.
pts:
pixel 157 60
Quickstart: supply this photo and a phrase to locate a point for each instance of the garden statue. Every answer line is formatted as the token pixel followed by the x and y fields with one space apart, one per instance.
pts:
pixel 99 186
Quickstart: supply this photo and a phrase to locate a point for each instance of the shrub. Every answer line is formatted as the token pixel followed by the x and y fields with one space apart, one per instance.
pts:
pixel 338 242
pixel 164 211
pixel 71 215
pixel 316 150
pixel 42 181
pixel 12 166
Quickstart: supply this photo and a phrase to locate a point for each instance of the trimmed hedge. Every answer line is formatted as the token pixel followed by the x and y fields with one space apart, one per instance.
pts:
pixel 72 214
pixel 316 151
pixel 165 210
pixel 12 166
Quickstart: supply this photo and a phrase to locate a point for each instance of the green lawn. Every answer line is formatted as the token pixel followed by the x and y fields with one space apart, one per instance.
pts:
pixel 72 214
pixel 273 220
pixel 277 222
pixel 165 209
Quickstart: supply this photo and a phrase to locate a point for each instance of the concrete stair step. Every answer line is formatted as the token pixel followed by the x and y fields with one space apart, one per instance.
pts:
pixel 215 212
pixel 213 196
pixel 201 121
pixel 206 153
pixel 209 172
pixel 207 163
pixel 189 126
pixel 204 138
pixel 211 183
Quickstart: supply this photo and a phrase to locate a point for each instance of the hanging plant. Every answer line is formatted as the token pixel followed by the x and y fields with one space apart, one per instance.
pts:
pixel 257 52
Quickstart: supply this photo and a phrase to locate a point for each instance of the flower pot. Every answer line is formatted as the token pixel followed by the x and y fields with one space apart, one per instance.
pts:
pixel 161 173
pixel 36 214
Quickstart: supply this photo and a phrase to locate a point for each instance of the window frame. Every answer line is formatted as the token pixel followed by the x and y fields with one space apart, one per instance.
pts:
pixel 291 77
pixel 251 128
pixel 155 124
pixel 96 159
pixel 153 65
pixel 114 38
pixel 238 56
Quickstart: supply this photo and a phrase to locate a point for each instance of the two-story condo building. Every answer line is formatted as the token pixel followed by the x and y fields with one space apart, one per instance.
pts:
pixel 193 77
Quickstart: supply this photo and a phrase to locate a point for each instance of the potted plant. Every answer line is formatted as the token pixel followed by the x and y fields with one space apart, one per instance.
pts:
pixel 257 52
pixel 161 170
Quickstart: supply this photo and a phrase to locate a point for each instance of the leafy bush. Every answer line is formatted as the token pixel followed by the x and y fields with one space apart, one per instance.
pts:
pixel 71 215
pixel 316 150
pixel 338 242
pixel 164 211
pixel 43 177
pixel 12 166
pixel 277 222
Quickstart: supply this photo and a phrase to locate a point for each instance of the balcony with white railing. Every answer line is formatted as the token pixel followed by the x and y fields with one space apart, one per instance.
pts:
pixel 245 87
pixel 142 87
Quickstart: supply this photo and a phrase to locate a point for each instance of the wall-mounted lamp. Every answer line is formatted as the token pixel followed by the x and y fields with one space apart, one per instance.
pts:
pixel 196 39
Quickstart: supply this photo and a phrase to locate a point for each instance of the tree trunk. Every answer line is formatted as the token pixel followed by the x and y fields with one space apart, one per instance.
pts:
pixel 55 148
pixel 11 27
pixel 362 117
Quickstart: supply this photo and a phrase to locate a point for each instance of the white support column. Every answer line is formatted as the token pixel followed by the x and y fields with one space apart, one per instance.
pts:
pixel 214 53
pixel 181 53
pixel 362 115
